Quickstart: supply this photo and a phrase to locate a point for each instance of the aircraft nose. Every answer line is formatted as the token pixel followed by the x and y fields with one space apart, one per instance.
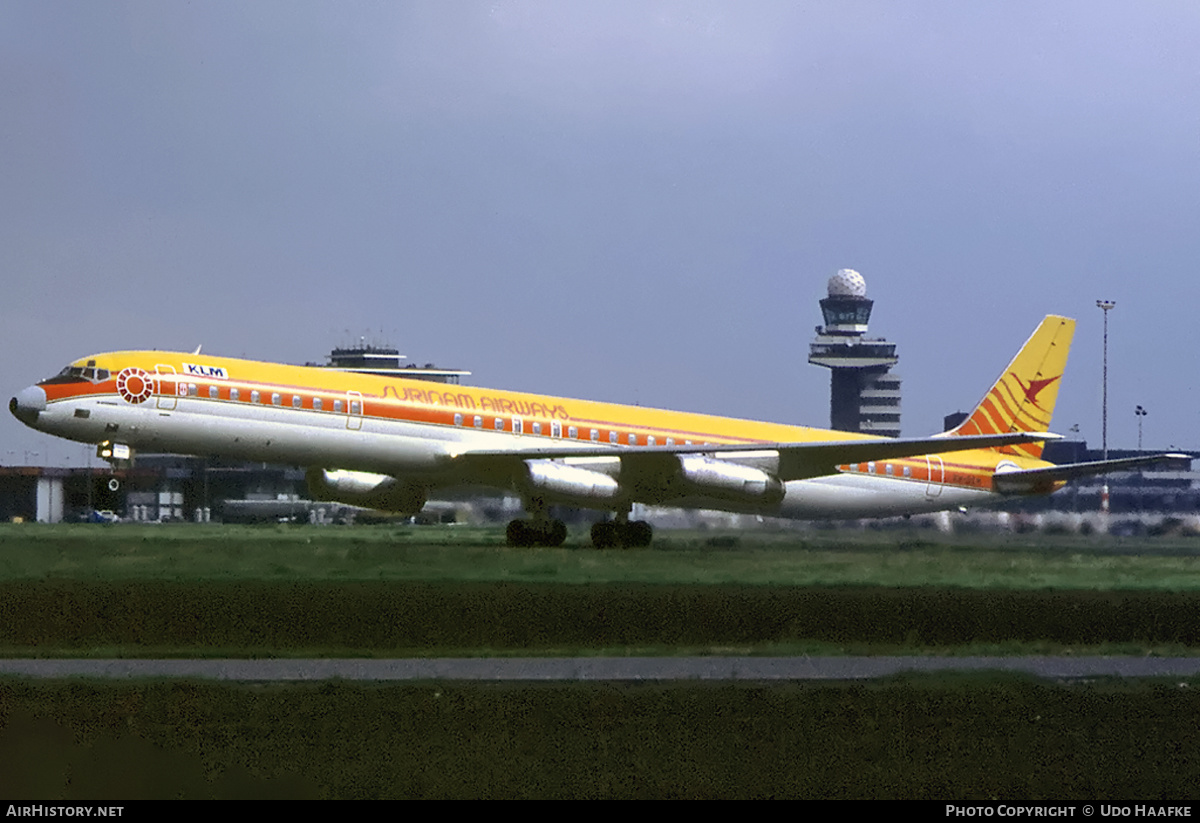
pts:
pixel 28 404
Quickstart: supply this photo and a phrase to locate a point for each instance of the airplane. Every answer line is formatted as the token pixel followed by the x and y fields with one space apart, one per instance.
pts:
pixel 388 442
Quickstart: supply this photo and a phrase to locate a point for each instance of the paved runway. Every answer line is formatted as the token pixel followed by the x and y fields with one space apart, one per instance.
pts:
pixel 598 668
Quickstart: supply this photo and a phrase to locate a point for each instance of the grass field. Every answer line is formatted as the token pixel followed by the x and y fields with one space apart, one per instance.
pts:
pixel 181 552
pixel 189 590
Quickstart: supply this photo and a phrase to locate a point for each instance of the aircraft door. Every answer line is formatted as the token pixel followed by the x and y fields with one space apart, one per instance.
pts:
pixel 354 410
pixel 936 472
pixel 166 387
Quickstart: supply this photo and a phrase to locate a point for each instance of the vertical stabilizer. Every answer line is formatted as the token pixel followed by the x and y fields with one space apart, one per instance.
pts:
pixel 1024 396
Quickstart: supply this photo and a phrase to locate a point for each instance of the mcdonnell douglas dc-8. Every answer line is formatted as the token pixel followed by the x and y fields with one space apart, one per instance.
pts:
pixel 387 443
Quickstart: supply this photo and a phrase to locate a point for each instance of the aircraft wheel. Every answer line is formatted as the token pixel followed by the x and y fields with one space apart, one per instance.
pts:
pixel 554 534
pixel 638 534
pixel 635 534
pixel 518 533
pixel 605 535
pixel 525 533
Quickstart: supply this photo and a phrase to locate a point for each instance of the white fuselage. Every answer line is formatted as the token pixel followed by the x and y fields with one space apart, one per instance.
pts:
pixel 299 436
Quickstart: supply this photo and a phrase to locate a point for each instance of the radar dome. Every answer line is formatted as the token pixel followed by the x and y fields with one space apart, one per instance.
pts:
pixel 847 283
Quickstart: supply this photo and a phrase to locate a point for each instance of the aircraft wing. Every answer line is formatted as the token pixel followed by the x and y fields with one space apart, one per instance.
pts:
pixel 1024 481
pixel 797 461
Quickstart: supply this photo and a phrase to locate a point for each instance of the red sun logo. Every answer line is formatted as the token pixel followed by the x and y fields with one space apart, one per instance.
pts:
pixel 134 385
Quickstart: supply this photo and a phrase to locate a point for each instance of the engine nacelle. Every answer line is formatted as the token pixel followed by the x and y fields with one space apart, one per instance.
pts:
pixel 731 481
pixel 367 490
pixel 570 483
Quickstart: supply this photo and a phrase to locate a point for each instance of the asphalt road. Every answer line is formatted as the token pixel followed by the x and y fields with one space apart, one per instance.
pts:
pixel 598 668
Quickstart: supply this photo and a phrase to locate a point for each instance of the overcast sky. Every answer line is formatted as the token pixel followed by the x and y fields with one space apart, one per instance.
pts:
pixel 629 201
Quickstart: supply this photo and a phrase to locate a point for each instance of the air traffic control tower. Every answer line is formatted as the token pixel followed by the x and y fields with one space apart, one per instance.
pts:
pixel 864 397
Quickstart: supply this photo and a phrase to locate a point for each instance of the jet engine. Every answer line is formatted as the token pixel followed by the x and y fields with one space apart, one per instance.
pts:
pixel 570 483
pixel 367 490
pixel 729 481
pixel 659 479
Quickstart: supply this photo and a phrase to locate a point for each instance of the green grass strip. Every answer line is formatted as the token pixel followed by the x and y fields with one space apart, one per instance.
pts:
pixel 403 553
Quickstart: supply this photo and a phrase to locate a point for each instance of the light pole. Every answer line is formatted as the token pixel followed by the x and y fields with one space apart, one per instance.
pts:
pixel 1140 412
pixel 1105 306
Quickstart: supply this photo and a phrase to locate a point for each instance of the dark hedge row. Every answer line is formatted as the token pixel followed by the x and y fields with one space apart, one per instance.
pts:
pixel 957 739
pixel 386 616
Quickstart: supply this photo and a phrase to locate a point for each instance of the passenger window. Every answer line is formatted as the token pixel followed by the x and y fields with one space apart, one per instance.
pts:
pixel 337 406
pixel 317 404
pixel 537 428
pixel 297 401
pixel 670 441
pixel 888 468
pixel 517 426
pixel 254 396
pixel 478 422
pixel 356 407
pixel 650 440
pixel 613 437
pixel 595 435
pixel 458 419
pixel 276 399
pixel 633 439
pixel 871 467
pixel 499 424
pixel 908 471
pixel 572 432
pixel 213 393
pixel 193 390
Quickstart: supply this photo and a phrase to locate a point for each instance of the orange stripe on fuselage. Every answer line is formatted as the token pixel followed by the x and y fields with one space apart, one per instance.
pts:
pixel 954 473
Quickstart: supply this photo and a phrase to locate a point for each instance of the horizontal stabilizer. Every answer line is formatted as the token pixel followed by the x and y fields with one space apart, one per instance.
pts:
pixel 1027 481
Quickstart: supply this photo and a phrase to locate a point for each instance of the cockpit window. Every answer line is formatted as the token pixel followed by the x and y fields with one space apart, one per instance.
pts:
pixel 80 374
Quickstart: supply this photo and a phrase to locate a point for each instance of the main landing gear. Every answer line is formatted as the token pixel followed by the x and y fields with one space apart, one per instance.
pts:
pixel 607 535
pixel 539 530
pixel 542 530
pixel 536 532
pixel 613 534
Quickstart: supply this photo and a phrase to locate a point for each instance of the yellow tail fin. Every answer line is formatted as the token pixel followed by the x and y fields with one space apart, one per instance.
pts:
pixel 1024 396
